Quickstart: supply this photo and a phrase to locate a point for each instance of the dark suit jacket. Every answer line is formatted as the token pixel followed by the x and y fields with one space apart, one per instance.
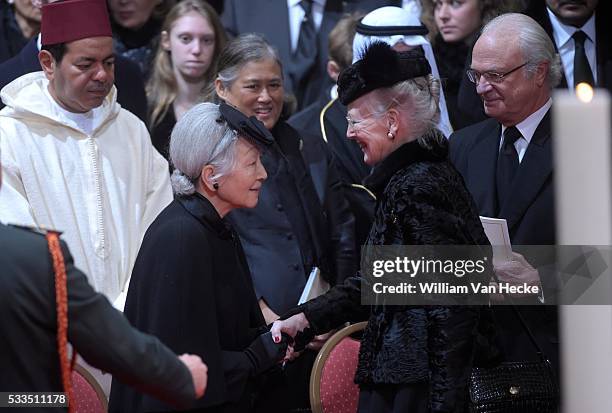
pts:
pixel 537 10
pixel 128 79
pixel 530 207
pixel 530 214
pixel 28 348
pixel 271 18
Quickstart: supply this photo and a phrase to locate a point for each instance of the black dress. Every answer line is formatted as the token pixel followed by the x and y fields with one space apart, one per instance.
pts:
pixel 160 133
pixel 11 37
pixel 464 105
pixel 191 288
pixel 138 45
pixel 413 359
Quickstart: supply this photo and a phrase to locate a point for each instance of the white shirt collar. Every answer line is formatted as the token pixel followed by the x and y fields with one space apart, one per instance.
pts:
pixel 562 33
pixel 529 125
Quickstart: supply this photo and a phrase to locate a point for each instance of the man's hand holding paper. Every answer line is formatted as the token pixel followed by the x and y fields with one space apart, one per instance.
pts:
pixel 516 272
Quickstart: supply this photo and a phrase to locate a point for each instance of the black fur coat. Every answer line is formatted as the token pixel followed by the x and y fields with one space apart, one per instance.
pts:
pixel 421 200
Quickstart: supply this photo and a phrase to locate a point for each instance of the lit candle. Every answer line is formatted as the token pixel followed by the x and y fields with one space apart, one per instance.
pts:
pixel 582 173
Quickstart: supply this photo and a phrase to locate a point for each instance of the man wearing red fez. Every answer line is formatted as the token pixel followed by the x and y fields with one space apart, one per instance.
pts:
pixel 72 158
pixel 32 332
pixel 128 77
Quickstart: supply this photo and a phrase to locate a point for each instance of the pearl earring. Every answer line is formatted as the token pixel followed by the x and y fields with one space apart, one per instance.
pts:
pixel 390 135
pixel 216 185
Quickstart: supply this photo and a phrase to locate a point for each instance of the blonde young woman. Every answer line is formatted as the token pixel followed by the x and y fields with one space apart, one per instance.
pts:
pixel 192 37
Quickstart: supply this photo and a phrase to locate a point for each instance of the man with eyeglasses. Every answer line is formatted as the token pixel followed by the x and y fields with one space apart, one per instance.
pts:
pixel 506 162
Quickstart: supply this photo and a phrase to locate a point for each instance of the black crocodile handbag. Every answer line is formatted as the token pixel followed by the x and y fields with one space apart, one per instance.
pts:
pixel 515 387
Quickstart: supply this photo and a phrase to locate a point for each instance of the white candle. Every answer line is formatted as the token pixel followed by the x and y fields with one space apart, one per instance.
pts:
pixel 582 174
pixel 581 140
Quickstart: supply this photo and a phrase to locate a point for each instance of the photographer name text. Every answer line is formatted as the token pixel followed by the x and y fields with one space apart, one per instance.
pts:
pixel 448 288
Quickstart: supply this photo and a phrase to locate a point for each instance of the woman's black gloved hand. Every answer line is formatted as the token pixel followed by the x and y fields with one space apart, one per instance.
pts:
pixel 302 338
pixel 264 353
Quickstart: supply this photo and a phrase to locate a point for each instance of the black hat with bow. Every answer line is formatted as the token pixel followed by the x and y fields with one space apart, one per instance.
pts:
pixel 249 127
pixel 381 66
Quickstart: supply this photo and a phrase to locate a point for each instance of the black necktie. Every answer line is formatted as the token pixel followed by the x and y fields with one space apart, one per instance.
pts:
pixel 582 69
pixel 305 54
pixel 507 164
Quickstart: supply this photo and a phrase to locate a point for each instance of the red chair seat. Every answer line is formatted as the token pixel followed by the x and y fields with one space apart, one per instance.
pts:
pixel 332 386
pixel 88 396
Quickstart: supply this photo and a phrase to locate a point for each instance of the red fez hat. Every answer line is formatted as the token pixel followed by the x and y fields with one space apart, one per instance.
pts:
pixel 66 21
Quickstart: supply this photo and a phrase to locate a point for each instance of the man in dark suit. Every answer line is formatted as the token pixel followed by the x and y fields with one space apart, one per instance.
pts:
pixel 581 35
pixel 506 162
pixel 304 72
pixel 128 79
pixel 99 333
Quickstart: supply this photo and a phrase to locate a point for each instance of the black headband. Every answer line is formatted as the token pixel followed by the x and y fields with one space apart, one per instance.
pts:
pixel 391 30
pixel 249 127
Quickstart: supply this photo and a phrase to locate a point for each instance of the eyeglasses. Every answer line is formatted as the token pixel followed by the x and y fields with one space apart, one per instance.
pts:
pixel 354 124
pixel 491 77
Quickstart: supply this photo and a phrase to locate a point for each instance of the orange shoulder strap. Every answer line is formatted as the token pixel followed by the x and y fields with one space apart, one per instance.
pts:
pixel 61 302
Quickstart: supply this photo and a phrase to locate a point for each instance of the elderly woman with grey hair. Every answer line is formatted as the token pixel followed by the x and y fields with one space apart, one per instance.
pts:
pixel 401 29
pixel 302 221
pixel 191 286
pixel 412 358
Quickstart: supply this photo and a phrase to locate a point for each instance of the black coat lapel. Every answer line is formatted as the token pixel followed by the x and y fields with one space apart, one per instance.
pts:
pixel 482 162
pixel 534 170
pixel 304 176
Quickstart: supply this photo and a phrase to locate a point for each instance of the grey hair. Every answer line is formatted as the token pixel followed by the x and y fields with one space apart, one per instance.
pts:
pixel 241 50
pixel 417 99
pixel 534 43
pixel 200 138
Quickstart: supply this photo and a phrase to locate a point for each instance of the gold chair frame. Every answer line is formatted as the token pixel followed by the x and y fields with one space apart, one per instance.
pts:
pixel 317 368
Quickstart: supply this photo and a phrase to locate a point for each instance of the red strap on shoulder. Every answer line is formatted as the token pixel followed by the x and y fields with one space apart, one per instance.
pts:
pixel 61 302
